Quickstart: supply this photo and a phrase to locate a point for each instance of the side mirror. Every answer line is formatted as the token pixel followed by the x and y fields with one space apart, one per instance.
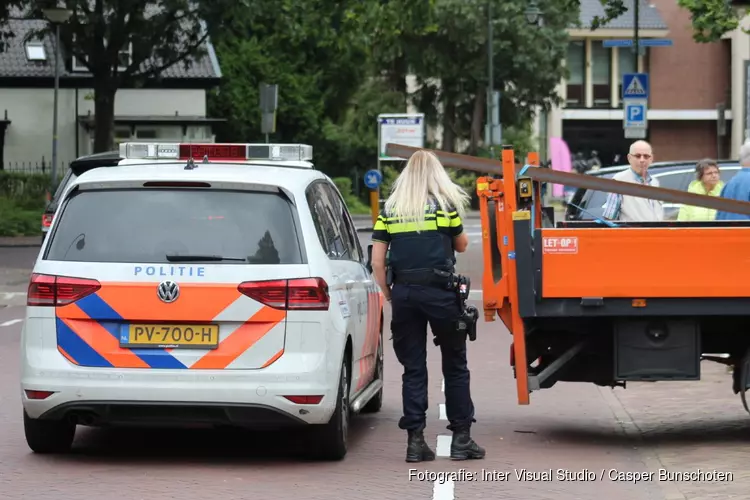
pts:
pixel 368 265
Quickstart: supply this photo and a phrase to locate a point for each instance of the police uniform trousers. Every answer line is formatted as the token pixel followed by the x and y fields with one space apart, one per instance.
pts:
pixel 413 308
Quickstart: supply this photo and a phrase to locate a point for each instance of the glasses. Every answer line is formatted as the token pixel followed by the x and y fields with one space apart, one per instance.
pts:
pixel 641 155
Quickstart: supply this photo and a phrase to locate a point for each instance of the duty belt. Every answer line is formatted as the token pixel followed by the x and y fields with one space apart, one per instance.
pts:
pixel 425 277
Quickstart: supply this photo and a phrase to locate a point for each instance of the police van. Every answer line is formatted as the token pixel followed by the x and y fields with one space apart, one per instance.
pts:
pixel 216 284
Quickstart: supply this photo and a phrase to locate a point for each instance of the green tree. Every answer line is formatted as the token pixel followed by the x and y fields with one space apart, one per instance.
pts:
pixel 162 33
pixel 315 51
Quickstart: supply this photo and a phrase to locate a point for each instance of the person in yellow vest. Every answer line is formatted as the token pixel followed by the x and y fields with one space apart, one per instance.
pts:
pixel 708 182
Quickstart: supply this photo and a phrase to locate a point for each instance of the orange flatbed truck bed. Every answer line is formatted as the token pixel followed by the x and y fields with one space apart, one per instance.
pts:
pixel 588 302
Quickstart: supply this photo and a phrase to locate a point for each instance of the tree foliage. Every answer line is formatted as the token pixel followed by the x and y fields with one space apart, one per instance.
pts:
pixel 160 34
pixel 314 51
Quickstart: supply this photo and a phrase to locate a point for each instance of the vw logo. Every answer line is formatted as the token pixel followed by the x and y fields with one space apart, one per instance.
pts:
pixel 168 291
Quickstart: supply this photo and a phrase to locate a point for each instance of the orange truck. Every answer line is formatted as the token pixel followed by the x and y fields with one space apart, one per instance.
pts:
pixel 589 302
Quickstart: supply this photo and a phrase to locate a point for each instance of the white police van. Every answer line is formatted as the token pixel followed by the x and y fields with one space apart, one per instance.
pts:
pixel 218 284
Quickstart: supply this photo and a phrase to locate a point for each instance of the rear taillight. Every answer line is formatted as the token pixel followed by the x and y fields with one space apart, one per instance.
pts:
pixel 308 294
pixel 304 400
pixel 47 220
pixel 46 290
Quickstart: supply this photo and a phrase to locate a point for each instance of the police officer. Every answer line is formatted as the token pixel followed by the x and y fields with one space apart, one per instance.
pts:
pixel 419 230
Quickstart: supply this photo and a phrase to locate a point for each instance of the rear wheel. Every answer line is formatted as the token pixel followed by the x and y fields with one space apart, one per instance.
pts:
pixel 48 436
pixel 374 405
pixel 332 438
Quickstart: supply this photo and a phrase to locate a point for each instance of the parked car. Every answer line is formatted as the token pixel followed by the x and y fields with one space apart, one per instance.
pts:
pixel 77 167
pixel 587 204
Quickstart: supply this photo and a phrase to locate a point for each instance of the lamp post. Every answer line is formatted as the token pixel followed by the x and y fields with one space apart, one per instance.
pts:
pixel 533 14
pixel 490 80
pixel 56 16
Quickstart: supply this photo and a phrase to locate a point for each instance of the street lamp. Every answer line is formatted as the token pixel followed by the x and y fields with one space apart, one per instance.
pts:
pixel 56 16
pixel 533 14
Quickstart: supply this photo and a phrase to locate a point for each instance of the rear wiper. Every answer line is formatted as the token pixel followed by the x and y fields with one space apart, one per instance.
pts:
pixel 201 258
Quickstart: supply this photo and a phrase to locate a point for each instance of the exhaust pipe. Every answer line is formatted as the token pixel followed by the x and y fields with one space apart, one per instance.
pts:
pixel 85 418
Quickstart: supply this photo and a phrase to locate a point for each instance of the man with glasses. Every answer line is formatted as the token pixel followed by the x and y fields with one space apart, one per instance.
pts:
pixel 631 208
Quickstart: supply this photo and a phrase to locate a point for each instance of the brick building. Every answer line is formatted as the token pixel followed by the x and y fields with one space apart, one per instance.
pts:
pixel 690 83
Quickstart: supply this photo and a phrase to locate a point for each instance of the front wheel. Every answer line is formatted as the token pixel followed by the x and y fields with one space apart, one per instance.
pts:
pixel 332 438
pixel 48 436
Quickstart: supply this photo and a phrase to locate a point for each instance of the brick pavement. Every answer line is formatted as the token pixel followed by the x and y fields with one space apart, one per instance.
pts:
pixel 570 428
pixel 690 426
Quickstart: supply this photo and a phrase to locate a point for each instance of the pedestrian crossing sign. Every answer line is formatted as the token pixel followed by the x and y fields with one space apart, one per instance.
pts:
pixel 635 86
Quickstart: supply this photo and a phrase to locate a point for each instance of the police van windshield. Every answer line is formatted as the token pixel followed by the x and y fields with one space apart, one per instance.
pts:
pixel 162 225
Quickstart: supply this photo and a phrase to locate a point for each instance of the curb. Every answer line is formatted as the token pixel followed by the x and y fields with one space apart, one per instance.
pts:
pixel 21 241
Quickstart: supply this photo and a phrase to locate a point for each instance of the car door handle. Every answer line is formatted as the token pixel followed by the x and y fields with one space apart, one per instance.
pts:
pixel 350 284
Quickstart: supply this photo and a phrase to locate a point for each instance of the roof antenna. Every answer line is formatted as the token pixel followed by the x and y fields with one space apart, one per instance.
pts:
pixel 190 164
pixel 205 158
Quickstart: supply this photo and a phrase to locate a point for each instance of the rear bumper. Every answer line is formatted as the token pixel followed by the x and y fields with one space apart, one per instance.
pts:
pixel 248 398
pixel 252 397
pixel 141 413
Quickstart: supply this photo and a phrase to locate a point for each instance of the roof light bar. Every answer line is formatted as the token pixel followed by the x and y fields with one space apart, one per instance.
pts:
pixel 215 151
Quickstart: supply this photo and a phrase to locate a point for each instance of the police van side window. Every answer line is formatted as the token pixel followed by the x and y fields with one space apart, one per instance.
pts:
pixel 325 223
pixel 344 223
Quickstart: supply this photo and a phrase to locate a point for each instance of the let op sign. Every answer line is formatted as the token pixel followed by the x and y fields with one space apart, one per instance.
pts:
pixel 406 129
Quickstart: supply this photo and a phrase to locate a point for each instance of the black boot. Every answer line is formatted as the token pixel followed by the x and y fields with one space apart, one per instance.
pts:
pixel 463 447
pixel 417 449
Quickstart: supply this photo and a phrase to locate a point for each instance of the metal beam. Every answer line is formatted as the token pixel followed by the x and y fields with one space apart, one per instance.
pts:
pixel 494 167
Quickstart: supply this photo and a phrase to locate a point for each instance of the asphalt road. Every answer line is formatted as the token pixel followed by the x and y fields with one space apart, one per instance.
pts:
pixel 573 429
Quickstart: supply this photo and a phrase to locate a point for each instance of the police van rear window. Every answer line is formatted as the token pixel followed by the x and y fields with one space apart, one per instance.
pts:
pixel 183 225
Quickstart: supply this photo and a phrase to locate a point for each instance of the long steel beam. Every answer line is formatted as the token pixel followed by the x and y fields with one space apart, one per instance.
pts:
pixel 494 167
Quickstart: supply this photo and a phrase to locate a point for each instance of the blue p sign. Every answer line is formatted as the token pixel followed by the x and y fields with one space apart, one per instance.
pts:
pixel 635 114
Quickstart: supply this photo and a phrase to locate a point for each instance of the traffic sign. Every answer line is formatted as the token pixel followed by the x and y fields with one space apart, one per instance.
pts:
pixel 635 118
pixel 635 114
pixel 635 86
pixel 373 178
pixel 655 42
pixel 627 42
pixel 642 42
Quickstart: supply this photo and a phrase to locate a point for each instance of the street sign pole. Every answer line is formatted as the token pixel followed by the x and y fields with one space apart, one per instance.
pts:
pixel 373 179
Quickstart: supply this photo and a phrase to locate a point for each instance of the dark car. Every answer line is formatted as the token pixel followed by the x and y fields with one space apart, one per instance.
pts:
pixel 586 204
pixel 77 167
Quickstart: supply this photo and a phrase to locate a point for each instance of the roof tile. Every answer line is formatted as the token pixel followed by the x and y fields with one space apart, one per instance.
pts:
pixel 14 63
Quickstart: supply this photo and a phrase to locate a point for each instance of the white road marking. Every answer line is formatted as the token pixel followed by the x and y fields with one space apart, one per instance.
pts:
pixel 11 322
pixel 441 409
pixel 443 445
pixel 443 491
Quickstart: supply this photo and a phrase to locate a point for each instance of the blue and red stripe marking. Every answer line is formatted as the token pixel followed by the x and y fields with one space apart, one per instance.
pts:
pixel 111 321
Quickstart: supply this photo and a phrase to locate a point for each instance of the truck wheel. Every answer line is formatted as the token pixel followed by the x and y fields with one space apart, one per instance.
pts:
pixel 374 405
pixel 48 436
pixel 331 438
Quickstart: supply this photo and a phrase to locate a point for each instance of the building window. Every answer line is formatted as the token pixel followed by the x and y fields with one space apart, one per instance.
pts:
pixel 626 64
pixel 146 133
pixel 35 51
pixel 576 63
pixel 601 62
pixel 125 57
